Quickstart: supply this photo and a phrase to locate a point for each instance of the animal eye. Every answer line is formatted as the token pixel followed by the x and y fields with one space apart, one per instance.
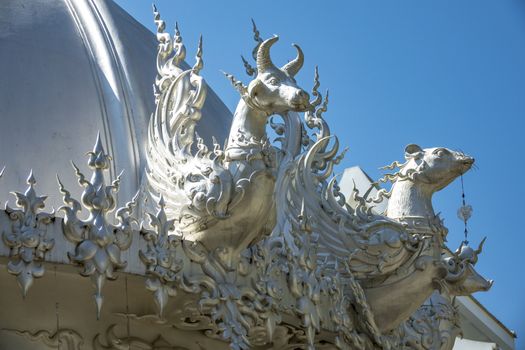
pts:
pixel 274 81
pixel 440 152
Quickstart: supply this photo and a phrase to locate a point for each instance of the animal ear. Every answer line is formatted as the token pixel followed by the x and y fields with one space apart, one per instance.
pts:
pixel 412 150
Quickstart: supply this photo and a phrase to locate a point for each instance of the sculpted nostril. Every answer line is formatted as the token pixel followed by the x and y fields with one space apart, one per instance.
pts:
pixel 468 160
pixel 303 94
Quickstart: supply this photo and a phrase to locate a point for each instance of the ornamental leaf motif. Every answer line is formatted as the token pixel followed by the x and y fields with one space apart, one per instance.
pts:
pixel 163 267
pixel 98 243
pixel 26 241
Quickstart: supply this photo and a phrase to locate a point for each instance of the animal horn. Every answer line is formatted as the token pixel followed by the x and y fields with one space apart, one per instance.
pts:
pixel 458 251
pixel 480 247
pixel 263 55
pixel 293 67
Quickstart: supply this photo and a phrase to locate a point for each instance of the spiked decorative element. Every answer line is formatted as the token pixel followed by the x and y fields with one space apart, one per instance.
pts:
pixel 98 243
pixel 178 46
pixel 237 84
pixel 198 62
pixel 257 38
pixel 165 45
pixel 171 52
pixel 251 71
pixel 26 240
pixel 162 266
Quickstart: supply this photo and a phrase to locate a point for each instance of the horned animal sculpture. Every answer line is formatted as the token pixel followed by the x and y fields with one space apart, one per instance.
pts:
pixel 424 172
pixel 220 198
pixel 436 324
pixel 273 91
pixel 271 215
pixel 396 256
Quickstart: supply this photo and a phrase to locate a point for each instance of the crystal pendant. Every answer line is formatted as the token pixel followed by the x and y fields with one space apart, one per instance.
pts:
pixel 465 212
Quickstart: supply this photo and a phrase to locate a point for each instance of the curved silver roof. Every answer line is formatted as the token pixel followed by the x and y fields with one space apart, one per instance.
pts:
pixel 69 69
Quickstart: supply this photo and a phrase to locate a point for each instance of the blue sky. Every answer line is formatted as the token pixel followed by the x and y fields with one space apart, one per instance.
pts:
pixel 436 73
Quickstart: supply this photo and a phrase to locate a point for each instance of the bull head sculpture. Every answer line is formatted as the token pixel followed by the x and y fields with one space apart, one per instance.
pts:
pixel 462 278
pixel 274 90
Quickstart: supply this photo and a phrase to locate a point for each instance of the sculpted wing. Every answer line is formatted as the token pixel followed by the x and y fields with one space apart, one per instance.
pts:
pixel 372 245
pixel 179 167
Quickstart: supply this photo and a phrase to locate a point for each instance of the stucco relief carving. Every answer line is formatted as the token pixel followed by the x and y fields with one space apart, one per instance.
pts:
pixel 27 240
pixel 163 266
pixel 372 256
pixel 98 243
pixel 63 338
pixel 435 325
pixel 254 242
pixel 220 197
pixel 114 342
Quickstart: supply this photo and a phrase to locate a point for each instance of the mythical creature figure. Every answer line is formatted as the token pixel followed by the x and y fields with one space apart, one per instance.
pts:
pixel 220 198
pixel 228 199
pixel 397 257
pixel 435 325
pixel 425 172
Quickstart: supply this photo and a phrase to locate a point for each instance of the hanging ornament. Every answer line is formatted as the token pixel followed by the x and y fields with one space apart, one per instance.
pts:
pixel 465 211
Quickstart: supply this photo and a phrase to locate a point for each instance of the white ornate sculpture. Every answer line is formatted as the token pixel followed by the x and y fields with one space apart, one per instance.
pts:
pixel 98 242
pixel 253 245
pixel 229 193
pixel 435 325
pixel 27 242
pixel 226 196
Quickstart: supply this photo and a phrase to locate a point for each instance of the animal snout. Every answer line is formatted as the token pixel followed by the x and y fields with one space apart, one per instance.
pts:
pixel 302 95
pixel 466 163
pixel 468 160
pixel 300 100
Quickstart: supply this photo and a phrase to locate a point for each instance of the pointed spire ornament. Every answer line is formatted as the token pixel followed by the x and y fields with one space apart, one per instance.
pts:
pixel 198 58
pixel 98 243
pixel 250 70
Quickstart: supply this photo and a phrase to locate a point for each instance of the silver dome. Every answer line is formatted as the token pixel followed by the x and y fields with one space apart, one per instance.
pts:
pixel 69 70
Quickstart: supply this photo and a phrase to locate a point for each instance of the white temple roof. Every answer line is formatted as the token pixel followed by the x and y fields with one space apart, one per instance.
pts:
pixel 70 69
